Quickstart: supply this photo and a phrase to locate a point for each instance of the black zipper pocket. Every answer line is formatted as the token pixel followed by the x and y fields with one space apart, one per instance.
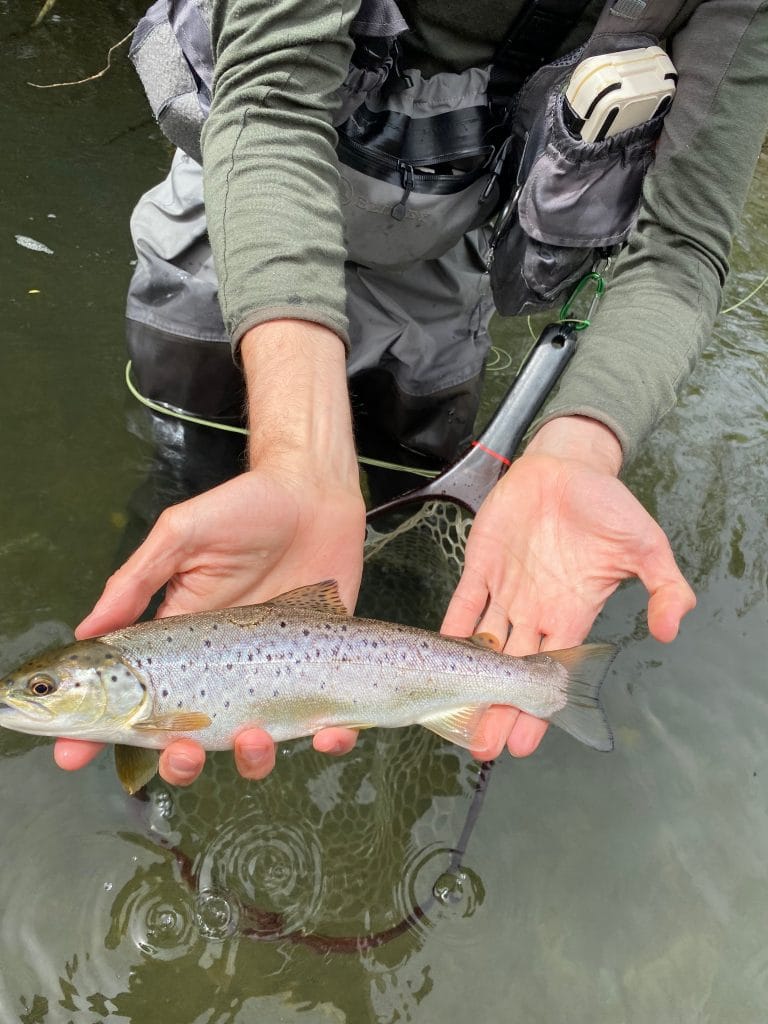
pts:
pixel 398 172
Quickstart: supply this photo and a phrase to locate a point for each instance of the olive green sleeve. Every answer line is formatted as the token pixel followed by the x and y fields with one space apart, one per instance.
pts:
pixel 271 178
pixel 659 309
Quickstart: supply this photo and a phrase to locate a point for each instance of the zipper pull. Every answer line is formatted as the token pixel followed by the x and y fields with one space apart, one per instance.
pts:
pixel 498 165
pixel 406 180
pixel 503 221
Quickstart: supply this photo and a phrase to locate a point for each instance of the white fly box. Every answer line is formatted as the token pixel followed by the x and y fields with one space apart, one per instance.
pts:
pixel 614 91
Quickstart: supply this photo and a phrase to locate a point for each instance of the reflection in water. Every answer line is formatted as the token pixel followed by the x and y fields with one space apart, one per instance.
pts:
pixel 327 855
pixel 321 864
pixel 156 914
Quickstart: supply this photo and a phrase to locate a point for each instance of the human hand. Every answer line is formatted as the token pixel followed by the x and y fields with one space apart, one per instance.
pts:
pixel 295 518
pixel 551 543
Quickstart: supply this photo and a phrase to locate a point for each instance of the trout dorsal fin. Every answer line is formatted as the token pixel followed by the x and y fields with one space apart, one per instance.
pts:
pixel 322 598
pixel 317 597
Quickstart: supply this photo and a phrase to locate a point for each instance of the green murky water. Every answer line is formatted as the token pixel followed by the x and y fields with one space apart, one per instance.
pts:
pixel 626 890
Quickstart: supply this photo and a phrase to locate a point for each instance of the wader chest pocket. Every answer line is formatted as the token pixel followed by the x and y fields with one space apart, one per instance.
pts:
pixel 415 163
pixel 396 213
pixel 575 200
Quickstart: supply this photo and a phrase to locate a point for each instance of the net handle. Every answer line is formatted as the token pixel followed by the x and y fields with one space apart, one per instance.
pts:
pixel 468 481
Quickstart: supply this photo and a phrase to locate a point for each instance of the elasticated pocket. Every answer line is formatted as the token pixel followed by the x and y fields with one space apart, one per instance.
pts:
pixel 575 199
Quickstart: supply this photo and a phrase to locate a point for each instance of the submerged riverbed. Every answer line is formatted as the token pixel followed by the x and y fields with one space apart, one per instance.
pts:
pixel 620 889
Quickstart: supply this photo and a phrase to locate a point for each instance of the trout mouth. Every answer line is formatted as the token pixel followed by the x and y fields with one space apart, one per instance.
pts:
pixel 30 709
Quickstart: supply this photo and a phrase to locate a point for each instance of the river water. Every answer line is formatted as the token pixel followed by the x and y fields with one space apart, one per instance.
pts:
pixel 628 889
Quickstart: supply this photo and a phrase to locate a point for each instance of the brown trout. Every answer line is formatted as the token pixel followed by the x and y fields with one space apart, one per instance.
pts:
pixel 292 666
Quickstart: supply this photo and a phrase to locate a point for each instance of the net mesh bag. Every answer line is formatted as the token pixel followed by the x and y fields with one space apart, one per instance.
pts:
pixel 413 561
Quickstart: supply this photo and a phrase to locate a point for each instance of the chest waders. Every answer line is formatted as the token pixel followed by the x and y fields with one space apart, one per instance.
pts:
pixel 426 164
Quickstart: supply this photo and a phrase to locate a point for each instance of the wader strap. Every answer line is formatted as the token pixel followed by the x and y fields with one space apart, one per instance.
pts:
pixel 193 34
pixel 375 30
pixel 533 38
pixel 620 19
pixel 378 19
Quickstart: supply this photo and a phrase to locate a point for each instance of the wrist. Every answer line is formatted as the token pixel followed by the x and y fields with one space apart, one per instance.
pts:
pixel 298 402
pixel 579 439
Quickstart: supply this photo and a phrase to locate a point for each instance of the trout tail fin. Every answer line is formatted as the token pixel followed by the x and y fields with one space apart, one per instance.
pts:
pixel 583 716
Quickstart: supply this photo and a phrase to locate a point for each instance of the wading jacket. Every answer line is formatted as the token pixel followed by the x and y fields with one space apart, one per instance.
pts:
pixel 273 198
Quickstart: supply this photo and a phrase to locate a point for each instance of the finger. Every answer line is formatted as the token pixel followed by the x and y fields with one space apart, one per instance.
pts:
pixel 335 740
pixel 255 753
pixel 129 590
pixel 527 733
pixel 566 639
pixel 495 726
pixel 523 640
pixel 495 623
pixel 181 762
pixel 466 606
pixel 73 754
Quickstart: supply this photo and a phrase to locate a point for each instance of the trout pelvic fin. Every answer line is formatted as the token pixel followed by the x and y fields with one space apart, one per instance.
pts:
pixel 177 721
pixel 583 715
pixel 458 725
pixel 135 766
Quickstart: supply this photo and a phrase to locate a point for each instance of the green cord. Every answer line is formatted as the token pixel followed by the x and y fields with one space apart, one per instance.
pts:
pixel 169 410
pixel 429 474
pixel 736 305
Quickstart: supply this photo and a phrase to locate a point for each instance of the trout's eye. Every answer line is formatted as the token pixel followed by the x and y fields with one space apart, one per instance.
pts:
pixel 41 685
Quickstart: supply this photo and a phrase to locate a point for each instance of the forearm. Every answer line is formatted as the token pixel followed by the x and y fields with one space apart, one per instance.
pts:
pixel 659 308
pixel 271 180
pixel 298 404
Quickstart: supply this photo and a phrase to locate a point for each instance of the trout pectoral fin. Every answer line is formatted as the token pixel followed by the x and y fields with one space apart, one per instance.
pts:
pixel 177 721
pixel 459 725
pixel 135 766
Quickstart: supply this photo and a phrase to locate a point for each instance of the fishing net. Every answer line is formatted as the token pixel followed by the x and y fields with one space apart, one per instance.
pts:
pixel 413 561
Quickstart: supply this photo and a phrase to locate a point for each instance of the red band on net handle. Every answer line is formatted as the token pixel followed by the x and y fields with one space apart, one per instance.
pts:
pixel 490 451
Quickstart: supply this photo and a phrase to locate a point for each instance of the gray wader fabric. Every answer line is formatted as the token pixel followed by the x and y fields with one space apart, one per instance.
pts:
pixel 419 333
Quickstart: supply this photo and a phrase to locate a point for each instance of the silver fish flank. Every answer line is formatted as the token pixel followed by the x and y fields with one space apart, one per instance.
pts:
pixel 292 666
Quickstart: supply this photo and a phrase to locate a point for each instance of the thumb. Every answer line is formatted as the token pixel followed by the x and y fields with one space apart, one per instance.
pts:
pixel 667 606
pixel 670 595
pixel 129 590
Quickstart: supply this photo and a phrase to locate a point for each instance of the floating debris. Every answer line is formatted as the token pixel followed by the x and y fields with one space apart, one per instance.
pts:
pixel 30 243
